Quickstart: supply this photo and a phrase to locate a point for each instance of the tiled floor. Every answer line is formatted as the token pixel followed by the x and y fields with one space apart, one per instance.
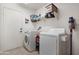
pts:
pixel 19 51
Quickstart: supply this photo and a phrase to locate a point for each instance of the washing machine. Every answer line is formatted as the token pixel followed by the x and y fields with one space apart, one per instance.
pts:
pixel 53 42
pixel 29 41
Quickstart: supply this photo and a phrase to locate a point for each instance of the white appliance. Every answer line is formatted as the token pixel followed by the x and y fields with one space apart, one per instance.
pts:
pixel 29 41
pixel 53 42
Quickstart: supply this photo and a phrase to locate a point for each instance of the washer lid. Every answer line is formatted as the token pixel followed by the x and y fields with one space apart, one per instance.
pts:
pixel 53 31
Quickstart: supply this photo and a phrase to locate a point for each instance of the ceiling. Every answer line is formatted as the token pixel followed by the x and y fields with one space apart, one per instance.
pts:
pixel 33 6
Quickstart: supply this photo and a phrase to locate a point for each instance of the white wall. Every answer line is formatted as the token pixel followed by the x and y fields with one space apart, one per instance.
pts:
pixel 46 22
pixel 21 9
pixel 65 10
pixel 0 25
pixel 18 8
